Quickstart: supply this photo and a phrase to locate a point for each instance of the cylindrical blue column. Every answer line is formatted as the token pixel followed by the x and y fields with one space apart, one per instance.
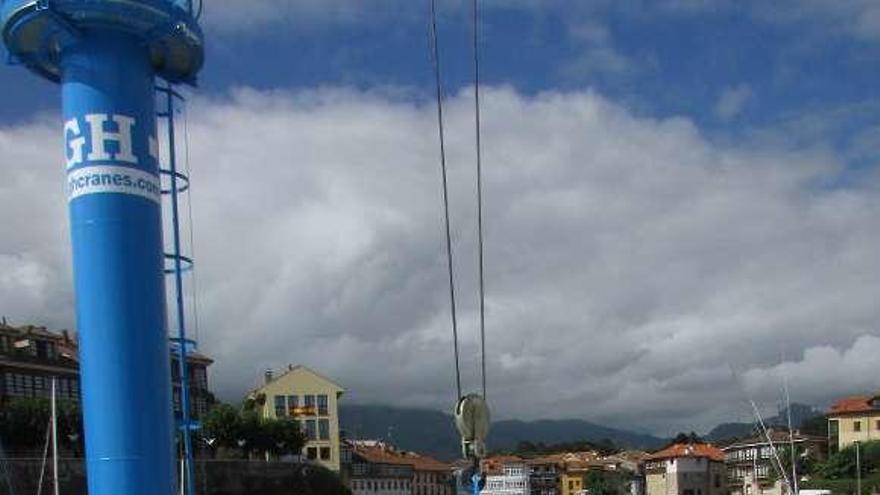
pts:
pixel 106 54
pixel 114 199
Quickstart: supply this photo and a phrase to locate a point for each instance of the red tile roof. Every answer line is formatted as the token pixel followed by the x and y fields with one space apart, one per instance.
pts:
pixel 385 454
pixel 853 404
pixel 688 450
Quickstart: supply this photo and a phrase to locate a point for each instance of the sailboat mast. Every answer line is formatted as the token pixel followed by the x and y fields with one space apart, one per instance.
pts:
pixel 54 440
pixel 794 477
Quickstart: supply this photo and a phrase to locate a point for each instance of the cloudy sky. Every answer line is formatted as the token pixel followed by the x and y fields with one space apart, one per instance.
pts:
pixel 676 193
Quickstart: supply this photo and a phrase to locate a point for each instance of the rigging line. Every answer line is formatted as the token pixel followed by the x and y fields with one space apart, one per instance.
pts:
pixel 45 456
pixel 192 243
pixel 478 133
pixel 780 469
pixel 435 51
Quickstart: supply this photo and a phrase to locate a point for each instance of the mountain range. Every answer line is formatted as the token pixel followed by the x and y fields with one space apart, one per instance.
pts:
pixel 433 432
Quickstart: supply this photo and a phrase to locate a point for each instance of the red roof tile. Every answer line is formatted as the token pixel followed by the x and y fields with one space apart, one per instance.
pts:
pixel 384 454
pixel 689 450
pixel 856 403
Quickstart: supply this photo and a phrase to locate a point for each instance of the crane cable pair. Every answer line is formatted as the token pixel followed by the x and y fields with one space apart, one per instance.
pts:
pixel 471 410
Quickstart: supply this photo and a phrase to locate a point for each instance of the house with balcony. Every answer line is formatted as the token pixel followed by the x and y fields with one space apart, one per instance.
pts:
pixel 752 469
pixel 506 475
pixel 303 395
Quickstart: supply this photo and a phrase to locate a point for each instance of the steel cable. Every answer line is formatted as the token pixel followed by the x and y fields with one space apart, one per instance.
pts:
pixel 435 51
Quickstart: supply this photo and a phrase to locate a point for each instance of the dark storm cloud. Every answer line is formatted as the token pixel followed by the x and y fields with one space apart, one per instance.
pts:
pixel 631 262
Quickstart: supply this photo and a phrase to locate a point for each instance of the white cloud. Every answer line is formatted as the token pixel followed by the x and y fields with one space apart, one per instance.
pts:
pixel 596 53
pixel 857 18
pixel 732 101
pixel 629 261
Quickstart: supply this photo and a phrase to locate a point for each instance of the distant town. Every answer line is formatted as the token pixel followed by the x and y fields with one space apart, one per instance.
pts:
pixel 293 419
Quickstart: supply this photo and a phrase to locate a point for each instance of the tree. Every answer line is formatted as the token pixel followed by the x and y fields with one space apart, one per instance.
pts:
pixel 607 482
pixel 247 431
pixel 285 436
pixel 24 422
pixel 842 465
pixel 222 424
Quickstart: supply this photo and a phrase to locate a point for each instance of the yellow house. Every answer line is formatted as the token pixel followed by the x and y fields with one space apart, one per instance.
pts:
pixel 304 395
pixel 854 419
pixel 572 483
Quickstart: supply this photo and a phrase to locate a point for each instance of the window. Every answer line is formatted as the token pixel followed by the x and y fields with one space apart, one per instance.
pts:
pixel 325 453
pixel 857 426
pixel 877 424
pixel 312 453
pixel 324 429
pixel 309 403
pixel 280 408
pixel 311 431
pixel 292 403
pixel 199 378
pixel 323 409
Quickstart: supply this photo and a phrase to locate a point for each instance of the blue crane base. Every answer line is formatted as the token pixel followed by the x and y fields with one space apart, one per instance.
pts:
pixel 114 200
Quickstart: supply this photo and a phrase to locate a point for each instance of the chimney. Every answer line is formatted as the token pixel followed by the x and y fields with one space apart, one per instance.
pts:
pixel 267 376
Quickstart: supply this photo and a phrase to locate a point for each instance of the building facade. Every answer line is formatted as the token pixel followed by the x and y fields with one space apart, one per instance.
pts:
pixel 430 476
pixel 853 419
pixel 378 469
pixel 686 469
pixel 506 475
pixel 544 473
pixel 31 356
pixel 303 395
pixel 751 469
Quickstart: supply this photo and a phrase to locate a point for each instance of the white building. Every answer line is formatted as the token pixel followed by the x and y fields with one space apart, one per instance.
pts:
pixel 506 476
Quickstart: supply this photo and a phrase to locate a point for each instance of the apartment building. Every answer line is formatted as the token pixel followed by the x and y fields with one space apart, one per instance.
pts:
pixel 31 356
pixel 430 476
pixel 686 469
pixel 303 395
pixel 750 466
pixel 506 475
pixel 544 474
pixel 853 419
pixel 378 469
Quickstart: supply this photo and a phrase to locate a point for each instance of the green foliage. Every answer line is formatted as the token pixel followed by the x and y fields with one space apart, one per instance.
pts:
pixel 25 420
pixel 805 459
pixel 529 449
pixel 607 483
pixel 246 431
pixel 682 437
pixel 842 465
pixel 221 423
pixel 843 486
